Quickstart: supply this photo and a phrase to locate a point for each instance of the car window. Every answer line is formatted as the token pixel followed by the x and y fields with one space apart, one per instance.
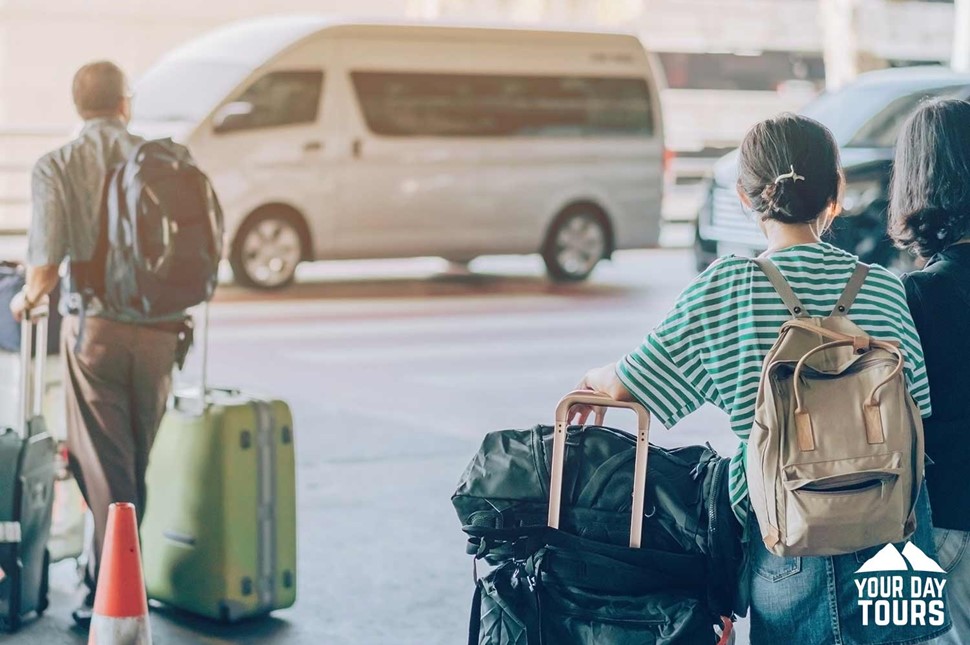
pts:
pixel 882 130
pixel 280 98
pixel 846 111
pixel 459 105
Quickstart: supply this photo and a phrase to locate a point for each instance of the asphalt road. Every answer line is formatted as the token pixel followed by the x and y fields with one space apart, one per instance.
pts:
pixel 394 372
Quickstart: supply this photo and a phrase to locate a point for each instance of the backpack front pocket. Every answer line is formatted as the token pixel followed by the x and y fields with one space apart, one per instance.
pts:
pixel 841 506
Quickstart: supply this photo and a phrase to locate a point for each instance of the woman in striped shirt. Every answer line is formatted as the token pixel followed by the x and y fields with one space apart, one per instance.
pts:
pixel 710 348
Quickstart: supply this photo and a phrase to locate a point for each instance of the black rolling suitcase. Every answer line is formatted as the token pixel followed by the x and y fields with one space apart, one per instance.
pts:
pixel 27 469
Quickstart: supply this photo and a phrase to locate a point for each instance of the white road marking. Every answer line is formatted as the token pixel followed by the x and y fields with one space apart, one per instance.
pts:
pixel 465 351
pixel 274 310
pixel 504 323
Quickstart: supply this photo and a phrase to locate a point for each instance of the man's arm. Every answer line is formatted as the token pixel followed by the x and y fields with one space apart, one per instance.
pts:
pixel 47 242
pixel 40 282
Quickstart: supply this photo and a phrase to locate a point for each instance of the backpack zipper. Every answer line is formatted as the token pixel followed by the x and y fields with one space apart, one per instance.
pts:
pixel 858 366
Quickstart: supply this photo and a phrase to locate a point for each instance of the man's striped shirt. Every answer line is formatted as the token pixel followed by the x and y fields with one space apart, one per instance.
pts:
pixel 711 345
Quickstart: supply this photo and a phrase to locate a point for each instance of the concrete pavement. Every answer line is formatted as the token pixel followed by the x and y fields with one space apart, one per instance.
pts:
pixel 393 381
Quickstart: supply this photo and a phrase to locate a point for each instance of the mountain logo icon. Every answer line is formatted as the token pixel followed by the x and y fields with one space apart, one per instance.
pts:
pixel 890 559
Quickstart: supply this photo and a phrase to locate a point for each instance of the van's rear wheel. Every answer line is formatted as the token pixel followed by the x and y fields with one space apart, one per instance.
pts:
pixel 267 250
pixel 577 240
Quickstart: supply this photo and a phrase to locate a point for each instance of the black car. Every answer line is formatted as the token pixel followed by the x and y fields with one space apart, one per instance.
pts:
pixel 865 118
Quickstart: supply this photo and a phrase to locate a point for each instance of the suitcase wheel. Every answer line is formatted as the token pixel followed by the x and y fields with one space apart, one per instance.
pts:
pixel 10 623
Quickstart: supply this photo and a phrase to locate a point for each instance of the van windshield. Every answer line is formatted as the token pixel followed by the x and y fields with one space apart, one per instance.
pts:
pixel 184 89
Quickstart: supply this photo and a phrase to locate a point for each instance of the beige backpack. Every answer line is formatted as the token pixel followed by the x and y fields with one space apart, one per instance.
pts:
pixel 835 456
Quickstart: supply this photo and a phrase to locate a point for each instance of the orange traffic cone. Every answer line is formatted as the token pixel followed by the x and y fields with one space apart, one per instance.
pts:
pixel 120 606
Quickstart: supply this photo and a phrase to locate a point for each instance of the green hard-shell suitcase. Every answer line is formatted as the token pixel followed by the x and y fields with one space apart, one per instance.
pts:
pixel 219 532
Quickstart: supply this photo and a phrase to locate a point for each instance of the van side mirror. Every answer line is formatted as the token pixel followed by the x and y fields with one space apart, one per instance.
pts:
pixel 232 116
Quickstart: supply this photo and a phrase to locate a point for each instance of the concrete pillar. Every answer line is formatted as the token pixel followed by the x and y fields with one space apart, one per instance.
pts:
pixel 424 9
pixel 840 41
pixel 961 36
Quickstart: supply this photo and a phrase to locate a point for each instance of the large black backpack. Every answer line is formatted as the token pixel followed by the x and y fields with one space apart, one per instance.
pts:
pixel 564 585
pixel 160 236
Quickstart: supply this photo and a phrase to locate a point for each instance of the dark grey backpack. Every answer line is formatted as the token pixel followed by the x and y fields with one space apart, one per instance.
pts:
pixel 160 237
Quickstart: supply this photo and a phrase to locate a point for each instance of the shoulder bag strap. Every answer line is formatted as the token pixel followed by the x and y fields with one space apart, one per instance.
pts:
pixel 475 620
pixel 794 305
pixel 852 289
pixel 90 279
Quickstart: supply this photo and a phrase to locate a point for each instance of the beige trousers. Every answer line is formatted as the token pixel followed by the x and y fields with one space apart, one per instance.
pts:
pixel 117 385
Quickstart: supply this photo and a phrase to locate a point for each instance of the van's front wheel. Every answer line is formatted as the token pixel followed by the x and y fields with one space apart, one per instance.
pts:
pixel 267 250
pixel 577 240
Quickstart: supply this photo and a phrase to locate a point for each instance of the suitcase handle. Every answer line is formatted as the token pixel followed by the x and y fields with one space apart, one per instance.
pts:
pixel 192 395
pixel 583 397
pixel 32 372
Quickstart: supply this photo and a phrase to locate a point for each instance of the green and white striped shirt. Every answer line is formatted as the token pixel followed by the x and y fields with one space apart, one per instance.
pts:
pixel 711 346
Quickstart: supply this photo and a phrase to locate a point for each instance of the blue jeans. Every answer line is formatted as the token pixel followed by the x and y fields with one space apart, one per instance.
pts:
pixel 953 554
pixel 814 601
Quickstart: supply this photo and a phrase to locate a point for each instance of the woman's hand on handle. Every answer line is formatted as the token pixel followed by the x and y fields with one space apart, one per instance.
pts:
pixel 602 380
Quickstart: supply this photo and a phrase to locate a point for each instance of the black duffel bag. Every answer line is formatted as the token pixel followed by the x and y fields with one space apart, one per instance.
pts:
pixel 689 553
pixel 571 590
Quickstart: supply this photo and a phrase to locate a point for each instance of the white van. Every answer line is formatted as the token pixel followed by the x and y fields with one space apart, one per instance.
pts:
pixel 329 140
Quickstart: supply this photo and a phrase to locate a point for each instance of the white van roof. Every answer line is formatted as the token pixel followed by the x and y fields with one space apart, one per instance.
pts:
pixel 249 41
pixel 255 41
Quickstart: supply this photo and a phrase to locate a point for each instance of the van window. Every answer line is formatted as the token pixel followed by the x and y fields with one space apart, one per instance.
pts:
pixel 459 105
pixel 281 98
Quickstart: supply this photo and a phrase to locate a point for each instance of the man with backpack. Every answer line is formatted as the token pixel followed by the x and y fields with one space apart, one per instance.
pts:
pixel 128 278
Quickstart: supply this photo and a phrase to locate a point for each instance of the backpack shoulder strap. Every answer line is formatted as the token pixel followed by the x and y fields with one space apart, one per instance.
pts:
pixel 851 290
pixel 795 306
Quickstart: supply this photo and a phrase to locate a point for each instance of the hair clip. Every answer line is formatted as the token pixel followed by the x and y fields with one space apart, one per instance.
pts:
pixel 789 175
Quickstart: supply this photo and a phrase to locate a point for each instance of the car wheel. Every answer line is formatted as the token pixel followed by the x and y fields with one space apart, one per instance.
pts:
pixel 267 250
pixel 577 240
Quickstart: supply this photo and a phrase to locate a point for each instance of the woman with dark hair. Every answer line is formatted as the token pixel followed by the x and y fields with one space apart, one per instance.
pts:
pixel 930 214
pixel 711 346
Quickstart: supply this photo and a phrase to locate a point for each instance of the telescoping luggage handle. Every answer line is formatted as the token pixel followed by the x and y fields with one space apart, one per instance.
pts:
pixel 197 395
pixel 201 394
pixel 581 397
pixel 32 372
pixel 204 376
